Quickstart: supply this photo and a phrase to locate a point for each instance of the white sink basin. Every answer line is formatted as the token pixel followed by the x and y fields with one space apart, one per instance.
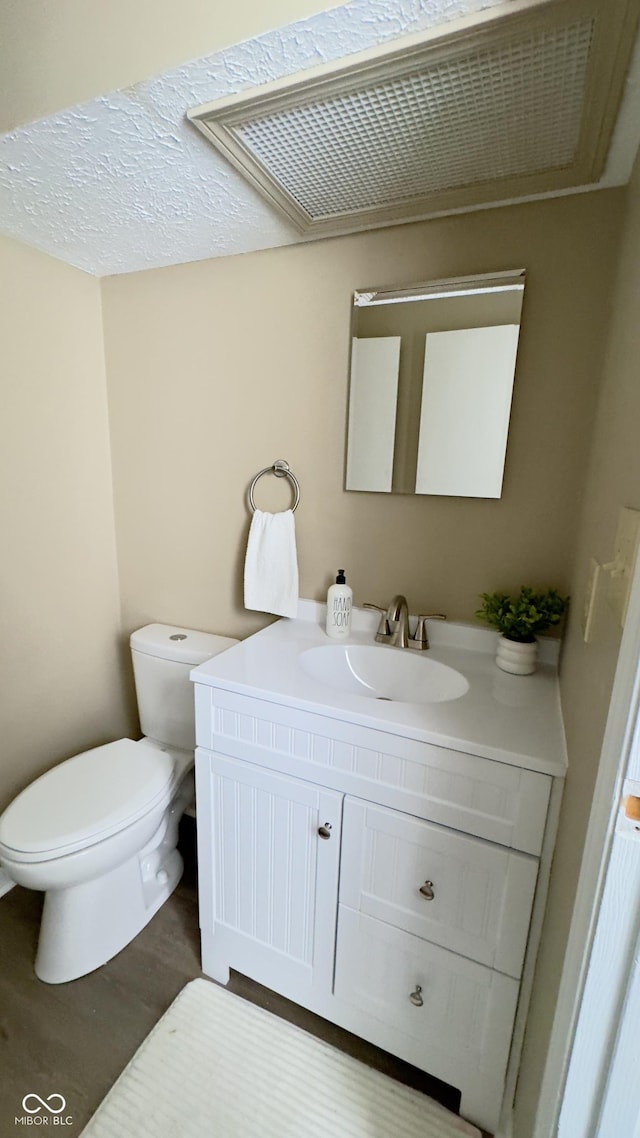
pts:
pixel 380 672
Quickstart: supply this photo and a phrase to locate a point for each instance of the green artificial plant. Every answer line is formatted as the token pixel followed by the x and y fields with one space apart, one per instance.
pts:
pixel 523 617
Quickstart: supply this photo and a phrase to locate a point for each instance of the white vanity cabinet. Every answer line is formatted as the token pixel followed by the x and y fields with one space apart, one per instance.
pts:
pixel 384 882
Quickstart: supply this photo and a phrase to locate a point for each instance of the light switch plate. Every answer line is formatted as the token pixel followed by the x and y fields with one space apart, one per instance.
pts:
pixel 624 556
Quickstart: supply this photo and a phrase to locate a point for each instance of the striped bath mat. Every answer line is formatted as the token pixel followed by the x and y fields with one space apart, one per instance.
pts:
pixel 216 1066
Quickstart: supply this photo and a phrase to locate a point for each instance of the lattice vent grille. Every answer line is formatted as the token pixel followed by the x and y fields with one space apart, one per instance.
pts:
pixel 492 114
pixel 514 102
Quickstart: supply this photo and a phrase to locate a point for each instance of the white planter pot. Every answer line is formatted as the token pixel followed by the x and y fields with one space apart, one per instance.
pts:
pixel 519 659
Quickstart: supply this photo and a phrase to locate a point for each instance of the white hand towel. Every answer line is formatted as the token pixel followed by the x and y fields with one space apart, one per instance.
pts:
pixel 271 564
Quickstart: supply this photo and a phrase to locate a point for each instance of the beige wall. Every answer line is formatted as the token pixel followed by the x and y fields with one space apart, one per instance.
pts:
pixel 216 369
pixel 613 481
pixel 59 617
pixel 57 54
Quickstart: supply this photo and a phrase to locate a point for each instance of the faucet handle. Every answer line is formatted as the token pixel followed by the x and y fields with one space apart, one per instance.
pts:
pixel 420 638
pixel 384 628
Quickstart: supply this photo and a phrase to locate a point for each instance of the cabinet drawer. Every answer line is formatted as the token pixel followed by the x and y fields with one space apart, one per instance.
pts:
pixel 476 897
pixel 467 1010
pixel 493 800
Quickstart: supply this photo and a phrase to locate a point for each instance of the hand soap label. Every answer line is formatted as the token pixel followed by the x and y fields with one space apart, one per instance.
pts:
pixel 340 614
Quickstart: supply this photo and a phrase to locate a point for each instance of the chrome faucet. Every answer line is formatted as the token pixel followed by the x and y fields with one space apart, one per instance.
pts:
pixel 394 625
pixel 398 618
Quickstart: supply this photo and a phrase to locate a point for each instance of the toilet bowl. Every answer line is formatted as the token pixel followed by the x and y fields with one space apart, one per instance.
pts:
pixel 98 833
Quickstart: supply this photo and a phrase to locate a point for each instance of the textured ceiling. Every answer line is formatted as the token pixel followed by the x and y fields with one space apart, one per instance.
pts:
pixel 124 182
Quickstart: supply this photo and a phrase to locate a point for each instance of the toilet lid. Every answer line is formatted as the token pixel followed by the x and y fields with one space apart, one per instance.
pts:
pixel 86 798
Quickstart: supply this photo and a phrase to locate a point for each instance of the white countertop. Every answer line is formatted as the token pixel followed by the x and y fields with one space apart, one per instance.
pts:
pixel 514 719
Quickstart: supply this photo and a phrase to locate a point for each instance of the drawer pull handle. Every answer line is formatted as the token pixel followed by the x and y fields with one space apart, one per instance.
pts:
pixel 325 831
pixel 416 996
pixel 427 890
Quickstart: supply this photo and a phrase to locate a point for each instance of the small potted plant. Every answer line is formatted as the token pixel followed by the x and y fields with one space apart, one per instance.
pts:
pixel 519 620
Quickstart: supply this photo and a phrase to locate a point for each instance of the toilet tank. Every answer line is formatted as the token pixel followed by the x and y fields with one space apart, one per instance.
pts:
pixel 162 658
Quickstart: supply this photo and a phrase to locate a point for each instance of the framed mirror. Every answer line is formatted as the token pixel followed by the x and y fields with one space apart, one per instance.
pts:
pixel 431 380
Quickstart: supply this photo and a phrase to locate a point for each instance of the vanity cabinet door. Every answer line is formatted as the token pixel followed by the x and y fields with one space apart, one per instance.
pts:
pixel 271 882
pixel 460 892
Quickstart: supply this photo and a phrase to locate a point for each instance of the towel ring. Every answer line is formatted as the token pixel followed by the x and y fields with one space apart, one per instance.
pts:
pixel 281 469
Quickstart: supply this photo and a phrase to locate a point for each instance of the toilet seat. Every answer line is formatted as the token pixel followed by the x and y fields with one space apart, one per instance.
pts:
pixel 86 799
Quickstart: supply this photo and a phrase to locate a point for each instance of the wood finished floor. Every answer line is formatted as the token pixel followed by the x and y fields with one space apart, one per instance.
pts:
pixel 74 1039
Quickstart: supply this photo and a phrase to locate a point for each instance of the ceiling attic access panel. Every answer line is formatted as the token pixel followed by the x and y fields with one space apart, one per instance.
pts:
pixel 491 108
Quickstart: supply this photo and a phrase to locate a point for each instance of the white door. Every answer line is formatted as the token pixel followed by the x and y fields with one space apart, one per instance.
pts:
pixel 274 881
pixel 621 1108
pixel 590 1082
pixel 601 1096
pixel 375 364
pixel 464 416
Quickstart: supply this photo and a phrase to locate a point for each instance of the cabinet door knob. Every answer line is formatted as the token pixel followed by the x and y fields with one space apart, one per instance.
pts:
pixel 416 996
pixel 325 831
pixel 427 890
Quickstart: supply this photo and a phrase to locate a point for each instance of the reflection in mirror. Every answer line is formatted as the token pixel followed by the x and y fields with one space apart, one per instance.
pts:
pixel 432 371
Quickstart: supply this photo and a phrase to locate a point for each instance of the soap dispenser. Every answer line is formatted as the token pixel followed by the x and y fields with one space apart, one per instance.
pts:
pixel 339 608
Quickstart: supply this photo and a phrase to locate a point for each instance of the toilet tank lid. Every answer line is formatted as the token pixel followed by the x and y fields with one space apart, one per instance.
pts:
pixel 184 645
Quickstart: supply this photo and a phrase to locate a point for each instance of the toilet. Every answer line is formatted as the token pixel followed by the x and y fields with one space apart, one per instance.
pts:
pixel 98 832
